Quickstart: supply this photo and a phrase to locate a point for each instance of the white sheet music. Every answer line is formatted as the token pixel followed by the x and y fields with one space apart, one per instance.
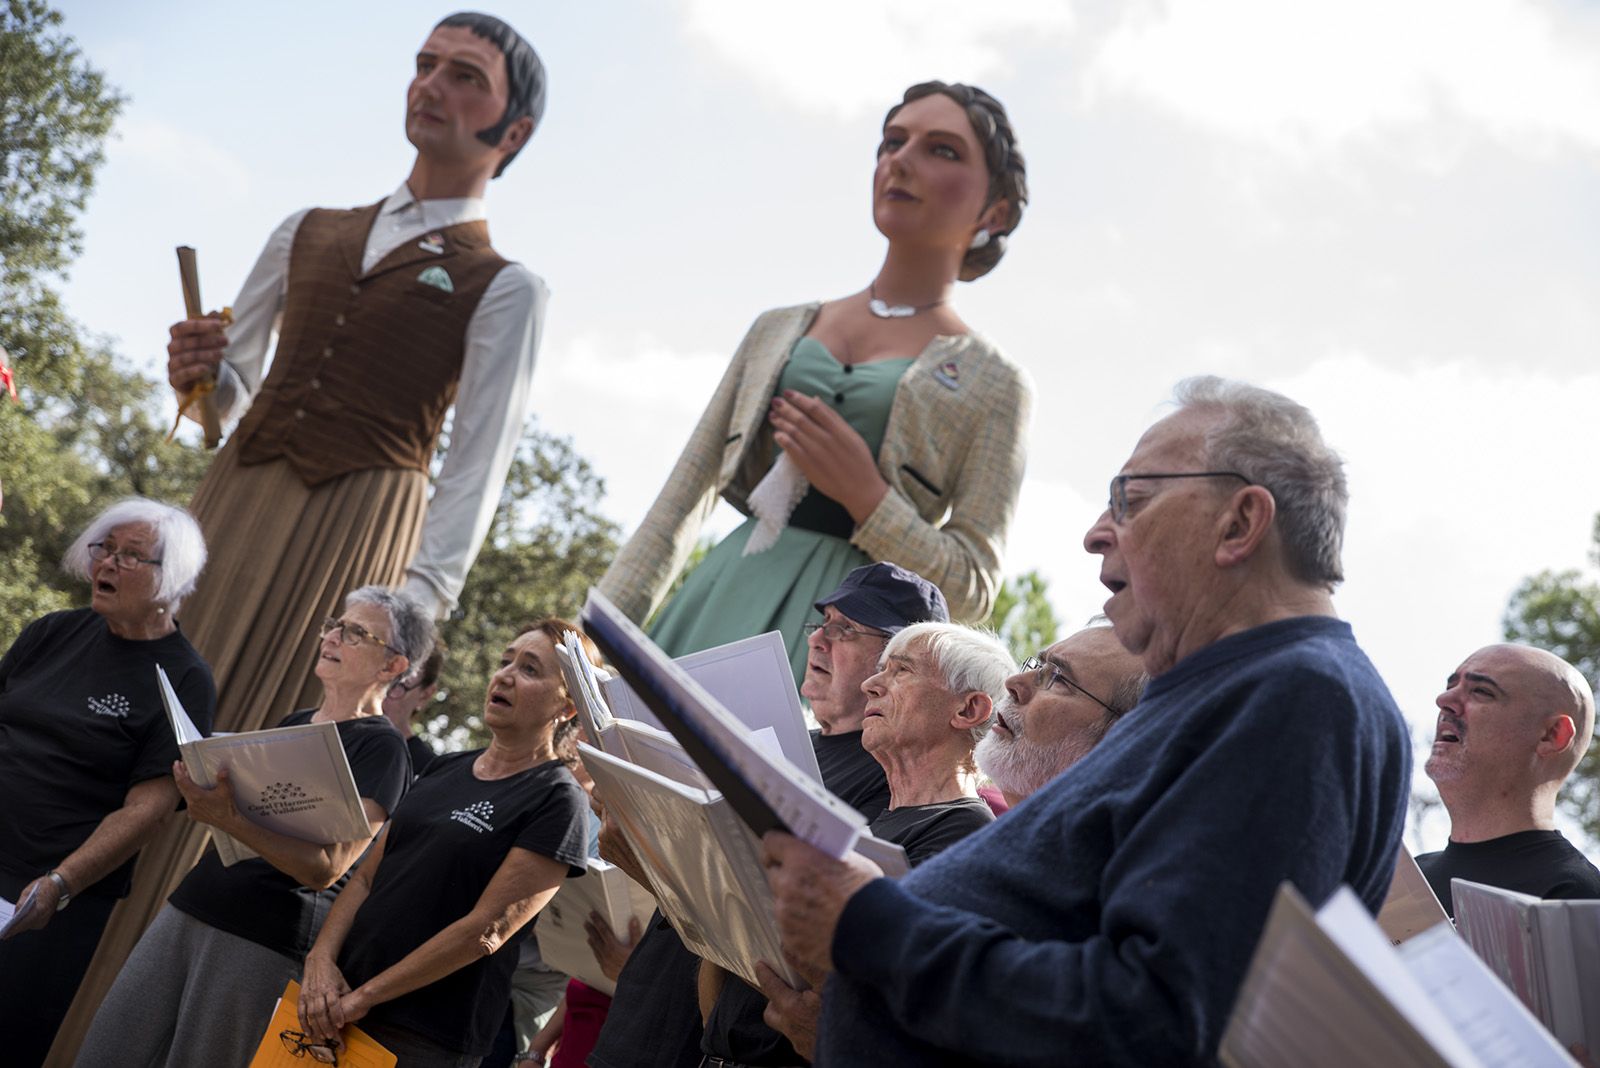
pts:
pixel 1495 1025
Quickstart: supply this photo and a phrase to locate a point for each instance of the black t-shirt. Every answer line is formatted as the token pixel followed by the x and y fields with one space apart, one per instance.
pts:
pixel 850 773
pixel 654 1019
pixel 1541 863
pixel 81 722
pixel 256 901
pixel 422 754
pixel 735 1029
pixel 924 831
pixel 445 842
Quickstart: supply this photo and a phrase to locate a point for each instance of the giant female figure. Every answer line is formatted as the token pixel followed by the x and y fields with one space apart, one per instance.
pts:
pixel 877 426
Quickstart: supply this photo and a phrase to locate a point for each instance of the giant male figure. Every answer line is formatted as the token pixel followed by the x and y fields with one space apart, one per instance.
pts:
pixel 386 316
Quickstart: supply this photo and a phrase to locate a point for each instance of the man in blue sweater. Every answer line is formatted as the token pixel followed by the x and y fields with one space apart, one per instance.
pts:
pixel 1111 917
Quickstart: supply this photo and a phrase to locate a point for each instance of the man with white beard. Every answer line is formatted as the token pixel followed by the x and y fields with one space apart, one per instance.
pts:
pixel 1056 709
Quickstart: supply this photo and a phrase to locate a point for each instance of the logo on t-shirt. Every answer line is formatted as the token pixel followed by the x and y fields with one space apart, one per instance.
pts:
pixel 283 799
pixel 113 704
pixel 476 815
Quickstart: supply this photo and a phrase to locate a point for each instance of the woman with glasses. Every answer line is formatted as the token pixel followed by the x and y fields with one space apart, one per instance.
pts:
pixel 875 427
pixel 86 754
pixel 201 985
pixel 420 947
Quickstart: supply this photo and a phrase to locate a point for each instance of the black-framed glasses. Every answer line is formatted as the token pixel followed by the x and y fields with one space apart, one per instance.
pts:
pixel 1117 505
pixel 1046 675
pixel 354 634
pixel 842 632
pixel 398 687
pixel 126 559
pixel 295 1042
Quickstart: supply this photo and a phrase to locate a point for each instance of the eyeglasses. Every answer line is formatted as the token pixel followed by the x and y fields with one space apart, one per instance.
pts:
pixel 295 1042
pixel 126 560
pixel 1118 502
pixel 1046 675
pixel 354 634
pixel 842 632
pixel 398 687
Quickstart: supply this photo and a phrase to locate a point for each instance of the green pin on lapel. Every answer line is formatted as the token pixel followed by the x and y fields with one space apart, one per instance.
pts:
pixel 438 278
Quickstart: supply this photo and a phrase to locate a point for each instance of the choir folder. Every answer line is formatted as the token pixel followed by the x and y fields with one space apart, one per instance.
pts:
pixel 293 780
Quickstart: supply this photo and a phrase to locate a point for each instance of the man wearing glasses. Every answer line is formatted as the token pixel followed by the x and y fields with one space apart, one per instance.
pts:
pixel 655 1016
pixel 410 694
pixel 1056 709
pixel 1111 918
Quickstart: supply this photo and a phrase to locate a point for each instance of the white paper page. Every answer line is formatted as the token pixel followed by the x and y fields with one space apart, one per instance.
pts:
pixel 563 941
pixel 753 679
pixel 1411 906
pixel 1346 921
pixel 183 727
pixel 653 748
pixel 1486 1015
pixel 292 780
pixel 14 912
pixel 703 863
pixel 809 811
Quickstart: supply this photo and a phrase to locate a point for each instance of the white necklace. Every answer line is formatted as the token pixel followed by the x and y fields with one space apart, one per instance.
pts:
pixel 884 310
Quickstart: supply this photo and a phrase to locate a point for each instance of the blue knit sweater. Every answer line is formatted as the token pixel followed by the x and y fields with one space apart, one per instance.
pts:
pixel 1110 918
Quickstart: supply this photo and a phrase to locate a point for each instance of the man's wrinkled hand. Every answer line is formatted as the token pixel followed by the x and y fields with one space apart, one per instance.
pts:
pixel 811 890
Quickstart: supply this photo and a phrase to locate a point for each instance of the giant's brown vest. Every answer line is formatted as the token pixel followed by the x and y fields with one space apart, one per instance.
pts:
pixel 367 364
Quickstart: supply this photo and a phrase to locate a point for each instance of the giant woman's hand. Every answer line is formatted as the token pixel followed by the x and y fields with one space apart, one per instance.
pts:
pixel 833 457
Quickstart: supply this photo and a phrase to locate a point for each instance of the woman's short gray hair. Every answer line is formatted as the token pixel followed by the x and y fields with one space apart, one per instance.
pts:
pixel 411 631
pixel 1275 443
pixel 968 658
pixel 179 545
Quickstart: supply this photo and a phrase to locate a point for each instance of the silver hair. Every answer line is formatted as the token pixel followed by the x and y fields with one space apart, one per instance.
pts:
pixel 179 545
pixel 968 659
pixel 1275 443
pixel 410 625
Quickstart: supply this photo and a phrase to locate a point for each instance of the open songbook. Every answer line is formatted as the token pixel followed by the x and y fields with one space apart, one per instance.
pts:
pixel 604 889
pixel 703 862
pixel 767 791
pixel 752 679
pixel 1411 907
pixel 1547 952
pixel 293 780
pixel 1327 990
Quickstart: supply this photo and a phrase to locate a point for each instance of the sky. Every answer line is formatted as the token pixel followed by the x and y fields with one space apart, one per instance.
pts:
pixel 1387 211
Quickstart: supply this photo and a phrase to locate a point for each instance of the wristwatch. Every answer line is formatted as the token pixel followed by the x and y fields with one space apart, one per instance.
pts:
pixel 63 894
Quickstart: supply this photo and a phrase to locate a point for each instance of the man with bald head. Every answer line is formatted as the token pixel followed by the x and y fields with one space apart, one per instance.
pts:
pixel 1513 723
pixel 1056 709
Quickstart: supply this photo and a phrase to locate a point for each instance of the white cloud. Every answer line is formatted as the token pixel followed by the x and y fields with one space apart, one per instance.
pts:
pixel 185 158
pixel 846 58
pixel 1307 76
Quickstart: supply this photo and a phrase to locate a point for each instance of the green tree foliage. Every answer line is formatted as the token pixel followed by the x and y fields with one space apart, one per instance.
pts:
pixel 1560 611
pixel 86 429
pixel 548 545
pixel 1023 616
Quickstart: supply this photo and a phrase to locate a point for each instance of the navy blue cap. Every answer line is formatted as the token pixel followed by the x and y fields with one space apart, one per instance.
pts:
pixel 887 597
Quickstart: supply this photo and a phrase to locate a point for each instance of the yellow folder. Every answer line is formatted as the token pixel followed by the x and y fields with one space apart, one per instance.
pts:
pixel 285 1045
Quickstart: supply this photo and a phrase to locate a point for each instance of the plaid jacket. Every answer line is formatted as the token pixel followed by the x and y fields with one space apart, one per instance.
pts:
pixel 953 455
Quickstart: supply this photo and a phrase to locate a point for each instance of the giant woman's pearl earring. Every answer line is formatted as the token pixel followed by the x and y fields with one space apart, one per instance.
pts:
pixel 979 239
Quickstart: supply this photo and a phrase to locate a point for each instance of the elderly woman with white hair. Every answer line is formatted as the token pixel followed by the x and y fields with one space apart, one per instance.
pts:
pixel 928 707
pixel 234 936
pixel 86 754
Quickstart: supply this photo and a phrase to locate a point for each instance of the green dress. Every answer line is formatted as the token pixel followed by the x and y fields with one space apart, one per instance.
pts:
pixel 732 596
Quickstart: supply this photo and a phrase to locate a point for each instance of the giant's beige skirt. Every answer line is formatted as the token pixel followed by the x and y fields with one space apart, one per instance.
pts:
pixel 282 557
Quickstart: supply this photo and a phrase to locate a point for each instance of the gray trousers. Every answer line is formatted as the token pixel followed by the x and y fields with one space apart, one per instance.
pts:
pixel 190 996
